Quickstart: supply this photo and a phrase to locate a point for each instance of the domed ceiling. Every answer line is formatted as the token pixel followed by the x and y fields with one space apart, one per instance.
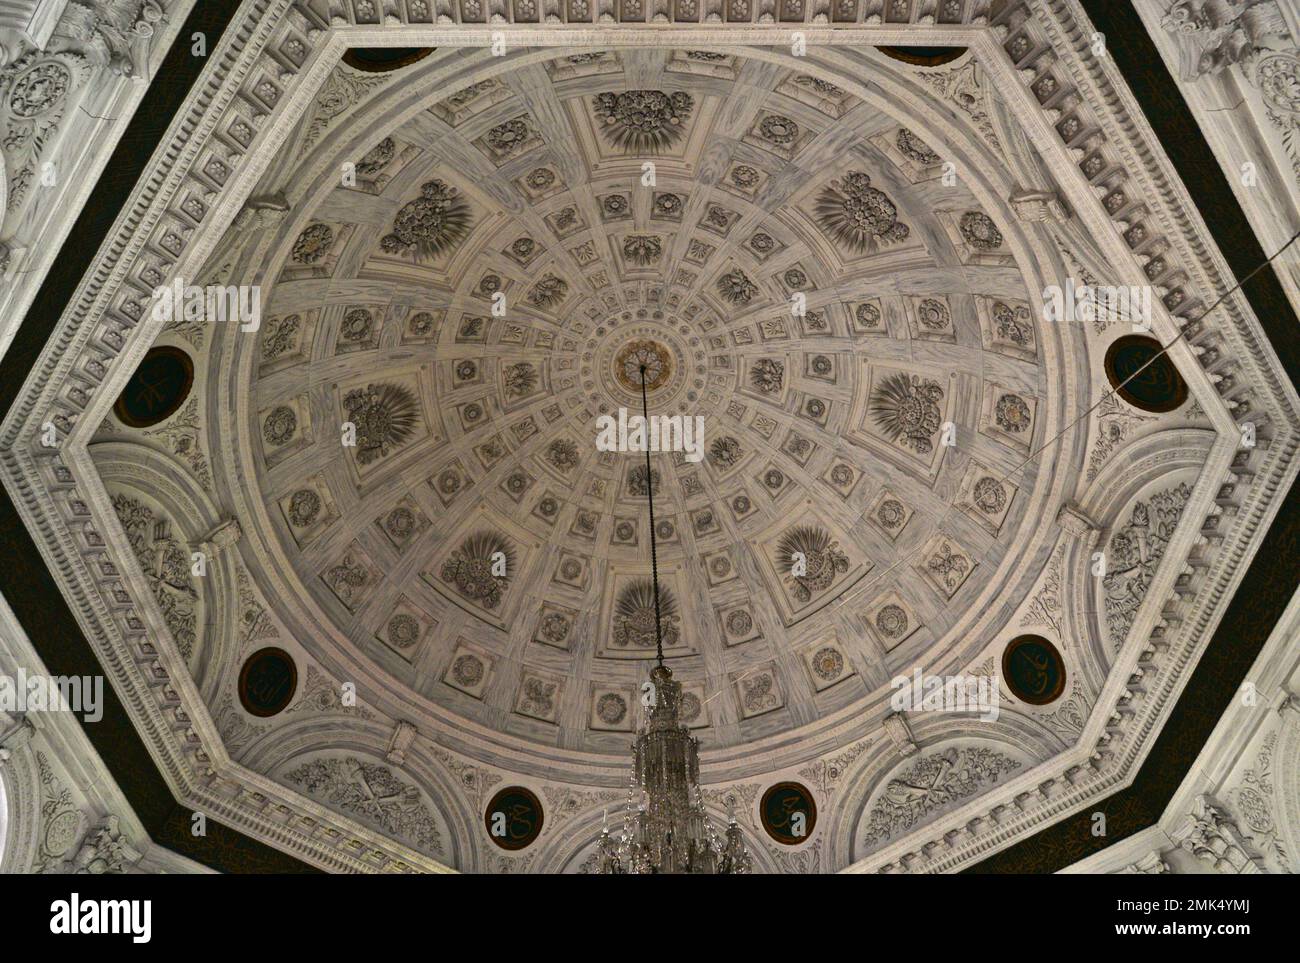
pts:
pixel 361 571
pixel 789 261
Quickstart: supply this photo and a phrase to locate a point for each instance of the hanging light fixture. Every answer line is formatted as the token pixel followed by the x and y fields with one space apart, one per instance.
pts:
pixel 666 829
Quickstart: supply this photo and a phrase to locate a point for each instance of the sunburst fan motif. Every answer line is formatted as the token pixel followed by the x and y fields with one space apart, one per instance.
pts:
pixel 634 616
pixel 470 568
pixel 809 549
pixel 643 121
pixel 906 409
pixel 385 416
pixel 519 379
pixel 432 224
pixel 857 216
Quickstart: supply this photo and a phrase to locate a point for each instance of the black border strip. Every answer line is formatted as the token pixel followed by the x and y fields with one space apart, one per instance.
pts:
pixel 1249 619
pixel 1270 580
pixel 27 584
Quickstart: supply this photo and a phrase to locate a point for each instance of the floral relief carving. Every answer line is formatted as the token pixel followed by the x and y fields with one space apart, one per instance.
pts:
pixel 344 88
pixel 34 95
pixel 906 409
pixel 471 568
pixel 930 785
pixel 1116 424
pixel 166 565
pixel 1134 553
pixel 736 288
pixel 372 794
pixel 1045 607
pixel 1254 800
pixel 321 694
pixel 811 560
pixel 385 416
pixel 181 434
pixel 634 616
pixel 433 224
pixel 643 121
pixel 857 216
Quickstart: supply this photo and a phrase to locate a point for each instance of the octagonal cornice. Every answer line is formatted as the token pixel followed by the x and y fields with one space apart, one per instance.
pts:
pixel 270 65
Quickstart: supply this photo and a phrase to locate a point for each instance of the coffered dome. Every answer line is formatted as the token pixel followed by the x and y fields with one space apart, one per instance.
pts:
pixel 981 412
pixel 787 259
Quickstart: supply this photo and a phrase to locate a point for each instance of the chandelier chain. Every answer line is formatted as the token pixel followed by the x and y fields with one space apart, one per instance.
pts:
pixel 650 494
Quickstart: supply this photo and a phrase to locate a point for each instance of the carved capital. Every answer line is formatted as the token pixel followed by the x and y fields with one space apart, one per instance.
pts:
pixel 15 732
pixel 220 538
pixel 1212 35
pixel 1289 709
pixel 1152 864
pixel 105 850
pixel 403 735
pixel 900 733
pixel 1038 205
pixel 1076 522
pixel 261 211
pixel 1212 836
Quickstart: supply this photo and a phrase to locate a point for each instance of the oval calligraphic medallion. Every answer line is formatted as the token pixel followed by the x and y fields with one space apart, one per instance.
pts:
pixel 1141 373
pixel 514 818
pixel 789 813
pixel 267 681
pixel 1033 670
pixel 382 59
pixel 159 385
pixel 923 56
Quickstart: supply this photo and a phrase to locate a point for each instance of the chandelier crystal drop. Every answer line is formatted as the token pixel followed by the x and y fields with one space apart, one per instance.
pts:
pixel 666 828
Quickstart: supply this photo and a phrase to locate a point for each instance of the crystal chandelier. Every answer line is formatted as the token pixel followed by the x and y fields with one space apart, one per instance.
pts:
pixel 666 829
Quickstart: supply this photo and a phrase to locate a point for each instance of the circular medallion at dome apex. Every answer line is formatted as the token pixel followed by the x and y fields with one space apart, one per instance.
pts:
pixel 643 364
pixel 611 357
pixel 738 282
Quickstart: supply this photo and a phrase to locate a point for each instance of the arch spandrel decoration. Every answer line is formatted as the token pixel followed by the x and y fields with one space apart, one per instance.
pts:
pixel 927 786
pixel 425 801
pixel 998 48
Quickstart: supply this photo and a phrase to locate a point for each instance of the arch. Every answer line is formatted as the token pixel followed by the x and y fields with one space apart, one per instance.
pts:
pixel 318 737
pixel 1163 457
pixel 4 818
pixel 1287 761
pixel 167 483
pixel 891 797
pixel 20 811
pixel 1141 461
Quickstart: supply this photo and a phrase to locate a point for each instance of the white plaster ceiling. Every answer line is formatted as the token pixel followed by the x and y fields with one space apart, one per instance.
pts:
pixel 823 432
pixel 1047 157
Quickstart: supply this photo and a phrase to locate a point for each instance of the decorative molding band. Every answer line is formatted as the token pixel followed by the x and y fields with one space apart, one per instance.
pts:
pixel 268 66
